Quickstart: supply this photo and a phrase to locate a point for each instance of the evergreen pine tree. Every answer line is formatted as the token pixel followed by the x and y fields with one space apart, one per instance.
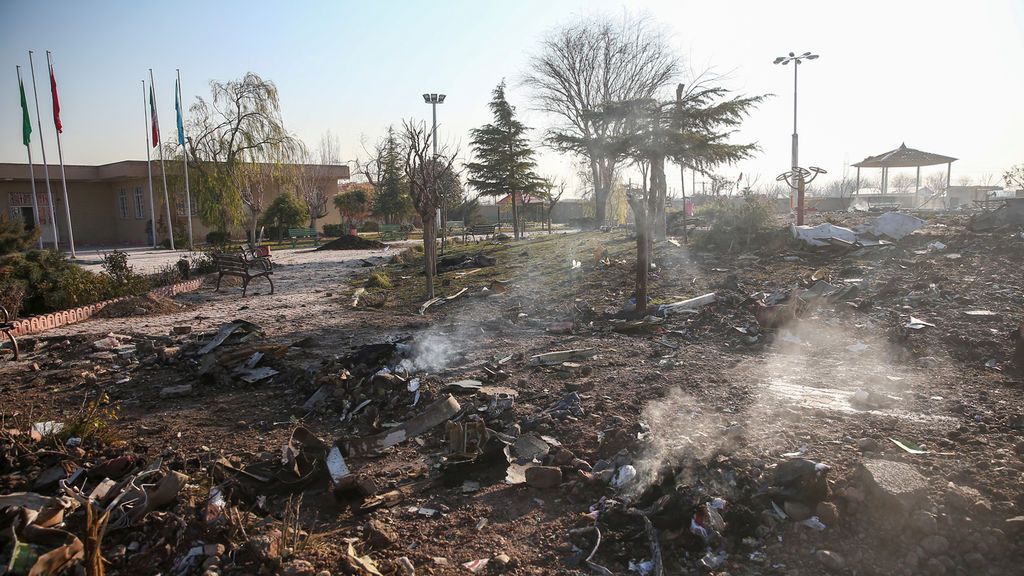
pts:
pixel 503 159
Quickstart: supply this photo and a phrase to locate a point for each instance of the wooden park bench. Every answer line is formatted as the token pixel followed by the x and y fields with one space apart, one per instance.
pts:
pixel 296 233
pixel 475 230
pixel 392 232
pixel 6 325
pixel 240 265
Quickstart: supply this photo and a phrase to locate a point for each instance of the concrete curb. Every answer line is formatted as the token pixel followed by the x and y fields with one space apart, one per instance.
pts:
pixel 44 322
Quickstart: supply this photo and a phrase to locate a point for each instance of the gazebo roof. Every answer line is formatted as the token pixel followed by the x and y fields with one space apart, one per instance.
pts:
pixel 903 157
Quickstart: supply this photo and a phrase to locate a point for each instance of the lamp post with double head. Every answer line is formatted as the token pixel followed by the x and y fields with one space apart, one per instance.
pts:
pixel 434 100
pixel 796 60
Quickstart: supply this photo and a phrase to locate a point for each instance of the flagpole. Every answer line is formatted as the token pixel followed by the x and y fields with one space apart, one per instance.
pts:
pixel 60 155
pixel 149 165
pixel 42 146
pixel 184 159
pixel 31 166
pixel 163 172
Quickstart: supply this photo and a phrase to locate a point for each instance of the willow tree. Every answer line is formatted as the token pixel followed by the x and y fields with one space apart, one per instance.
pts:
pixel 239 123
pixel 586 65
pixel 693 129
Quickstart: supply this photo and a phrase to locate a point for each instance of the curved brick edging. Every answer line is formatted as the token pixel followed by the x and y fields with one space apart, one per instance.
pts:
pixel 44 322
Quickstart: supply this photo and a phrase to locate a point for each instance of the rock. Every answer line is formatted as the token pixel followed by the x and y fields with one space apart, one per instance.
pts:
pixel 868 445
pixel 797 511
pixel 168 353
pixel 934 567
pixel 924 522
pixel 961 497
pixel 935 544
pixel 266 547
pixel 562 457
pixel 503 559
pixel 181 330
pixel 380 535
pixel 832 561
pixel 324 573
pixel 974 560
pixel 1015 525
pixel 828 513
pixel 405 566
pixel 544 476
pixel 176 391
pixel 298 568
pixel 894 484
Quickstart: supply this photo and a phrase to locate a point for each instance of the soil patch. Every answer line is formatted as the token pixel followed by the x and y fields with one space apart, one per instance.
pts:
pixel 352 243
pixel 144 305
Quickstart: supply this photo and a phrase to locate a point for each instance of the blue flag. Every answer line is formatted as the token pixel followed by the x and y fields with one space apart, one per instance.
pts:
pixel 177 108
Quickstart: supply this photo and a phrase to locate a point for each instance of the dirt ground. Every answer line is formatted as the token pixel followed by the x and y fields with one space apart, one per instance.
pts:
pixel 713 419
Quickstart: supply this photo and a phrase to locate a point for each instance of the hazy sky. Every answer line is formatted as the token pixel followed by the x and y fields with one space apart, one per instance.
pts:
pixel 942 76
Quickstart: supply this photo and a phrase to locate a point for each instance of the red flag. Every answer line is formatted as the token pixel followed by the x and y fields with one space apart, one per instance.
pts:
pixel 152 114
pixel 56 102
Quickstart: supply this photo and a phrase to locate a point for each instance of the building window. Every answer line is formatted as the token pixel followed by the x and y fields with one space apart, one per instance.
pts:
pixel 122 203
pixel 140 208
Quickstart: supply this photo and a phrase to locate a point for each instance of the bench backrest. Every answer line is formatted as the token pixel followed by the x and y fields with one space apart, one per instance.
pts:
pixel 301 232
pixel 453 224
pixel 484 228
pixel 230 262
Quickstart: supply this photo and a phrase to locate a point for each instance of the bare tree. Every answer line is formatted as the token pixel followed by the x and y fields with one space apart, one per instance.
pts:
pixel 1014 177
pixel 903 182
pixel 964 180
pixel 312 180
pixel 261 170
pixel 720 184
pixel 586 64
pixel 552 194
pixel 424 171
pixel 937 182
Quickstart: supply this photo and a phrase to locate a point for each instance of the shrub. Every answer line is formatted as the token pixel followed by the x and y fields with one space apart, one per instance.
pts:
pixel 217 238
pixel 370 226
pixel 286 211
pixel 12 294
pixel 735 224
pixel 201 263
pixel 333 230
pixel 123 281
pixel 14 237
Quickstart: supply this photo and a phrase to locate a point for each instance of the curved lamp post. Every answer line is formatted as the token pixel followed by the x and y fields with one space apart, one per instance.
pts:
pixel 796 60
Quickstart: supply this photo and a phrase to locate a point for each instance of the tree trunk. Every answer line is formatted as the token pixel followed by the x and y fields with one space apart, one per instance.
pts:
pixel 682 187
pixel 643 255
pixel 515 217
pixel 429 251
pixel 658 195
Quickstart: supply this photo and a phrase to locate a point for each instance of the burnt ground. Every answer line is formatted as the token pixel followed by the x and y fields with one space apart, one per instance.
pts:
pixel 703 405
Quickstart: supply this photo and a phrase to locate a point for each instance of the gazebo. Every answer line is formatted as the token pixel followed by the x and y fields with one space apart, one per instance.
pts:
pixel 903 157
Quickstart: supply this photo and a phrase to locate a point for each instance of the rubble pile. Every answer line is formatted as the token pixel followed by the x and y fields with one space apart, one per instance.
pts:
pixel 842 407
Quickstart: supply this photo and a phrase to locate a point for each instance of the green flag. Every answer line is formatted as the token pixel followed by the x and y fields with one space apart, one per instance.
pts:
pixel 26 124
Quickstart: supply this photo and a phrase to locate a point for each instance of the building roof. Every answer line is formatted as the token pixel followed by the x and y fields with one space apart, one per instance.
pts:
pixel 903 157
pixel 125 169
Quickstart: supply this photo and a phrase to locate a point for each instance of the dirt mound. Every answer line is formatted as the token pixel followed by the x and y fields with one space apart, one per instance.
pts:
pixel 348 242
pixel 144 305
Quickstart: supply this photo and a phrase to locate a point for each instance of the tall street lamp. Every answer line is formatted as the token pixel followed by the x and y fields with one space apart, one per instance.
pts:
pixel 796 60
pixel 434 100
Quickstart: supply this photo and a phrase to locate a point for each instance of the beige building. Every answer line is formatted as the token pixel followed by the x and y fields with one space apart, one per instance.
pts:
pixel 110 204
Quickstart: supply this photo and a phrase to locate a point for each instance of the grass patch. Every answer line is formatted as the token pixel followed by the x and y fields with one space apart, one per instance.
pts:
pixel 378 279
